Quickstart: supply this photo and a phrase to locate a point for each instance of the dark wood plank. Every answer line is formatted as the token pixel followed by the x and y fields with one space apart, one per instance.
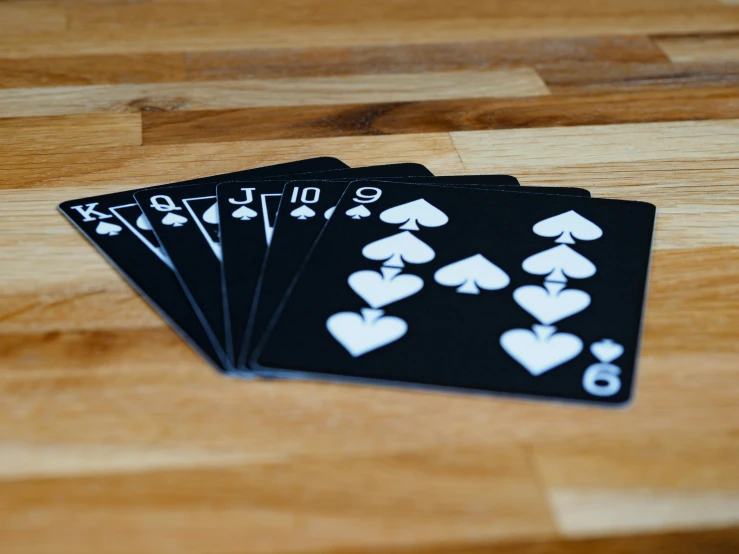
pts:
pixel 590 78
pixel 707 35
pixel 91 70
pixel 718 541
pixel 438 116
pixel 416 58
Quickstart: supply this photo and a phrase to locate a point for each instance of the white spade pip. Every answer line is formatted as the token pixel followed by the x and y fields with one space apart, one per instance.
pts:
pixel 244 213
pixel 379 290
pixel 358 212
pixel 472 274
pixel 174 220
pixel 109 229
pixel 567 227
pixel 558 263
pixel 411 214
pixel 397 250
pixel 360 334
pixel 302 213
pixel 606 350
pixel 542 349
pixel 550 304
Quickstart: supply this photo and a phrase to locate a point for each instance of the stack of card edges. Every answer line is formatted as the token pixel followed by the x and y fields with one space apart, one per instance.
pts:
pixel 389 275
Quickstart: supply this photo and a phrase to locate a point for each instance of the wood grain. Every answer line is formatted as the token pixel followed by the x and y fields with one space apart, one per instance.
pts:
pixel 701 48
pixel 333 30
pixel 100 131
pixel 130 167
pixel 595 78
pixel 91 70
pixel 418 58
pixel 116 437
pixel 318 121
pixel 224 95
pixel 19 18
pixel 598 144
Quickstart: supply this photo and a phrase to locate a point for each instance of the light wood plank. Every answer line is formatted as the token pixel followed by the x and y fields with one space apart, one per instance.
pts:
pixel 588 513
pixel 92 298
pixel 177 13
pixel 19 18
pixel 132 167
pixel 256 34
pixel 572 146
pixel 272 92
pixel 461 496
pixel 420 58
pixel 69 460
pixel 701 48
pixel 20 136
pixel 91 70
pixel 636 485
pixel 134 391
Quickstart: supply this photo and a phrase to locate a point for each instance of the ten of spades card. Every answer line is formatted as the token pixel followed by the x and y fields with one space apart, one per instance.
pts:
pixel 297 233
pixel 494 291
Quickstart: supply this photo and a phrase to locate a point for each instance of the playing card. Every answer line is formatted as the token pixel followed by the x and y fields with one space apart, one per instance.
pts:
pixel 184 219
pixel 299 229
pixel 115 225
pixel 494 291
pixel 246 229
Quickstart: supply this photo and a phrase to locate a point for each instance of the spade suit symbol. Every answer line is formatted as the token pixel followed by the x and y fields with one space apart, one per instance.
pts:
pixel 358 212
pixel 568 226
pixel 411 214
pixel 397 249
pixel 211 214
pixel 550 304
pixel 379 291
pixel 143 223
pixel 360 334
pixel 302 213
pixel 174 220
pixel 109 229
pixel 606 350
pixel 472 274
pixel 244 214
pixel 328 213
pixel 558 263
pixel 542 349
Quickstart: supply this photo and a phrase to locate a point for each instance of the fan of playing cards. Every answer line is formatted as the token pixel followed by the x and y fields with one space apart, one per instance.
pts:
pixel 388 274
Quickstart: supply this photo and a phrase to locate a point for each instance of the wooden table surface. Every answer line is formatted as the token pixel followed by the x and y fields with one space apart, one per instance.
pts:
pixel 116 438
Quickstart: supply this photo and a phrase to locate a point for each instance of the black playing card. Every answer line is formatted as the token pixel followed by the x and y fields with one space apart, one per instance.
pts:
pixel 244 245
pixel 184 219
pixel 297 234
pixel 113 224
pixel 506 292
